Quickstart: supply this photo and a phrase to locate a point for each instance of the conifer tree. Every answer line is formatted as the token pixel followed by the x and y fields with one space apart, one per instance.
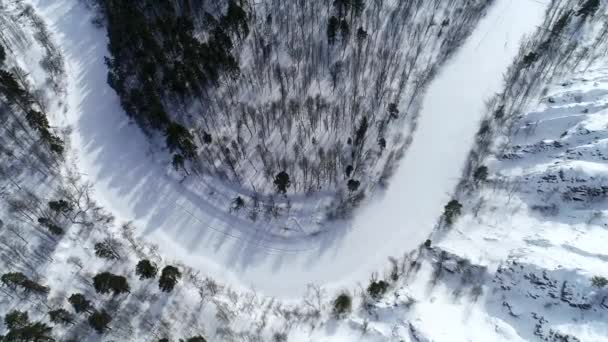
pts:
pixel 106 282
pixel 20 329
pixel 169 278
pixel 332 28
pixel 99 321
pixel 80 303
pixel 282 182
pixel 61 316
pixel 146 269
pixel 588 8
pixel 19 280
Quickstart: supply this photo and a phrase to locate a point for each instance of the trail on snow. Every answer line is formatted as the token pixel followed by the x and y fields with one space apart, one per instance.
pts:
pixel 113 154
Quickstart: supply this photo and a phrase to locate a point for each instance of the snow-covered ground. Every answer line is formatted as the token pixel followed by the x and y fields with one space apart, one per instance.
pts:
pixel 134 186
pixel 516 266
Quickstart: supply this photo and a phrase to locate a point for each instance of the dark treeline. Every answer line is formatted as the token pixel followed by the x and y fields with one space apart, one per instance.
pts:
pixel 157 55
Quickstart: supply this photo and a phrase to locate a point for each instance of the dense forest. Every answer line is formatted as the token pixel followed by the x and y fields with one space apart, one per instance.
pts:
pixel 287 97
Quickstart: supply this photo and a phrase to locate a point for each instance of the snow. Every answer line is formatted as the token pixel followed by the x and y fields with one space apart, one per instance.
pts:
pixel 518 269
pixel 134 186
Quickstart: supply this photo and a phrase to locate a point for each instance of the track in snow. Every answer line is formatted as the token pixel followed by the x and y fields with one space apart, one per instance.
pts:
pixel 135 187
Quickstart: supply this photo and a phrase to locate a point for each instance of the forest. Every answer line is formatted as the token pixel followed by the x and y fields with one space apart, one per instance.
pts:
pixel 281 97
pixel 304 97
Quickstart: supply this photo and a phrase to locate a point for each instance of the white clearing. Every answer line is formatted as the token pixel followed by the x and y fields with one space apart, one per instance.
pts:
pixel 133 185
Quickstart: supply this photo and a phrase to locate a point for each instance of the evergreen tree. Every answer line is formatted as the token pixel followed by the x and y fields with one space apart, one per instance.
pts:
pixel 342 305
pixel 236 20
pixel 198 338
pixel 382 144
pixel 178 162
pixel 361 35
pixel 179 139
pixel 358 7
pixel 481 174
pixel 2 55
pixel 9 86
pixel 146 269
pixel 588 8
pixel 529 59
pixel 13 279
pixel 237 204
pixel 99 321
pixel 106 282
pixel 169 278
pixel 16 320
pixel 282 182
pixel 52 227
pixel 377 289
pixel 361 131
pixel 452 211
pixel 80 303
pixel 18 279
pixel 393 111
pixel 20 329
pixel 61 316
pixel 344 30
pixel 349 170
pixel 599 282
pixel 342 6
pixel 61 206
pixel 332 28
pixel 353 185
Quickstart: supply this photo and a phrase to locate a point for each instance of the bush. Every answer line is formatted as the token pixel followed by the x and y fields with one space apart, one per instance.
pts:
pixel 342 305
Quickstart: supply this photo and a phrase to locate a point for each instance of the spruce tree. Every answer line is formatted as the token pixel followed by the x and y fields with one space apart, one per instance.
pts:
pixel 358 7
pixel 353 185
pixel 481 174
pixel 332 28
pixel 146 269
pixel 99 321
pixel 20 329
pixel 61 206
pixel 588 8
pixel 452 211
pixel 61 316
pixel 107 282
pixel 198 338
pixel 361 131
pixel 80 303
pixel 178 138
pixel 16 280
pixel 2 55
pixel 52 227
pixel 282 182
pixel 342 305
pixel 169 278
